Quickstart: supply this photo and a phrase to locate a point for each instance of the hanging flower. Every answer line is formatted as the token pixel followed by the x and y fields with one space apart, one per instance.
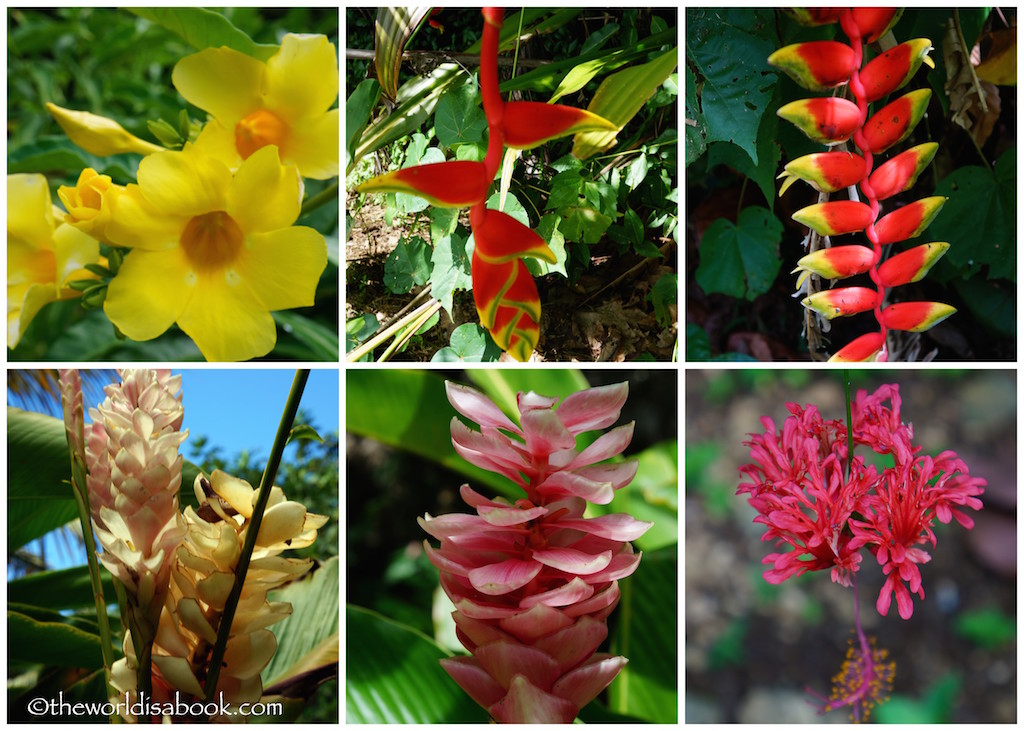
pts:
pixel 214 252
pixel 283 102
pixel 44 254
pixel 533 581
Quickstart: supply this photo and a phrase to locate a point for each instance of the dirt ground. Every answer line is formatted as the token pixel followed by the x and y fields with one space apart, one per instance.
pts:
pixel 604 317
pixel 753 648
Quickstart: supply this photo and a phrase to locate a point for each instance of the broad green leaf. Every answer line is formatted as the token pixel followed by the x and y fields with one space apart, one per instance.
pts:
pixel 392 675
pixel 645 632
pixel 358 109
pixel 665 292
pixel 407 265
pixel 993 303
pixel 696 125
pixel 636 172
pixel 61 589
pixel 321 342
pixel 566 188
pixel 458 118
pixel 409 410
pixel 202 28
pixel 51 643
pixel 392 30
pixel 736 79
pixel 741 259
pixel 52 155
pixel 469 343
pixel 501 386
pixel 450 271
pixel 979 219
pixel 698 344
pixel 548 230
pixel 359 328
pixel 409 202
pixel 620 97
pixel 314 619
pixel 769 153
pixel 583 223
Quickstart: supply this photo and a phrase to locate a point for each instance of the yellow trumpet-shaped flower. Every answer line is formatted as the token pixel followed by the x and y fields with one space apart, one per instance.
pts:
pixel 214 252
pixel 90 201
pixel 284 102
pixel 99 135
pixel 43 253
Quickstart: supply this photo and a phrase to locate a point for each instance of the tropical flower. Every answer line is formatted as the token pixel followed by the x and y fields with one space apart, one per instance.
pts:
pixel 283 102
pixel 797 484
pixel 134 477
pixel 203 570
pixel 90 201
pixel 533 581
pixel 99 135
pixel 44 254
pixel 215 252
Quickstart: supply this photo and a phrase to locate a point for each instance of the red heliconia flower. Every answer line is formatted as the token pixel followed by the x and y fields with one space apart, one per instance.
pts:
pixel 825 171
pixel 837 262
pixel 900 172
pixel 533 580
pixel 828 120
pixel 816 65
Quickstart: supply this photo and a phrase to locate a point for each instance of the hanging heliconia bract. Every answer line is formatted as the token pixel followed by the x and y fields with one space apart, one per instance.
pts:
pixel 823 65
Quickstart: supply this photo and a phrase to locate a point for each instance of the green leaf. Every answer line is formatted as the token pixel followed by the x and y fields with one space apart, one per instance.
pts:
pixel 665 292
pixel 741 259
pixel 620 97
pixel 768 152
pixel 322 342
pixel 736 78
pixel 359 328
pixel 305 432
pixel 202 28
pixel 636 172
pixel 407 265
pixel 51 643
pixel 548 230
pixel 409 410
pixel 696 125
pixel 51 154
pixel 392 675
pixel 698 343
pixel 653 496
pixel 979 219
pixel 987 628
pixel 392 30
pixel 408 202
pixel 450 272
pixel 566 189
pixel 313 620
pixel 458 118
pixel 469 343
pixel 358 109
pixel 61 589
pixel 993 303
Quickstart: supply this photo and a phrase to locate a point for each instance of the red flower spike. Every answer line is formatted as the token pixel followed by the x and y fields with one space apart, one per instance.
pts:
pixel 500 238
pixel 894 68
pixel 490 281
pixel 909 221
pixel 860 350
pixel 528 124
pixel 835 217
pixel 508 304
pixel 842 302
pixel 915 316
pixel 900 173
pixel 838 262
pixel 494 107
pixel 895 121
pixel 874 22
pixel 816 65
pixel 453 184
pixel 828 120
pixel 825 171
pixel 911 265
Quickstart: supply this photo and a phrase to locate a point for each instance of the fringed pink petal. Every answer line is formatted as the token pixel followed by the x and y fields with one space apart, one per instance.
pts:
pixel 452 524
pixel 525 703
pixel 593 408
pixel 620 567
pixel 605 446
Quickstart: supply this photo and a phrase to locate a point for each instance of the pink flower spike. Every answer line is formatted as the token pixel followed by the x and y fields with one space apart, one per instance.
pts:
pixel 501 578
pixel 477 407
pixel 594 408
pixel 526 703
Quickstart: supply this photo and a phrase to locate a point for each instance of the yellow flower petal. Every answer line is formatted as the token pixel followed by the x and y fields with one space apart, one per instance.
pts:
pixel 283 267
pixel 149 293
pixel 23 304
pixel 246 655
pixel 227 321
pixel 29 212
pixel 218 141
pixel 302 78
pixel 222 81
pixel 236 492
pixel 136 223
pixel 184 183
pixel 264 195
pixel 74 250
pixel 313 146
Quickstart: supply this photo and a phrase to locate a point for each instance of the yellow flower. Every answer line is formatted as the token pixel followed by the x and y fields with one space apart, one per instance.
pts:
pixel 285 102
pixel 90 201
pixel 43 253
pixel 99 135
pixel 213 251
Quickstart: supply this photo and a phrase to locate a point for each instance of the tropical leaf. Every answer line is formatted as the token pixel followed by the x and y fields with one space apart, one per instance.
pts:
pixel 202 28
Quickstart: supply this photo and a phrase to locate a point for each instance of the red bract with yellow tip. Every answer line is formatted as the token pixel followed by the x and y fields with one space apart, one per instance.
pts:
pixel 833 120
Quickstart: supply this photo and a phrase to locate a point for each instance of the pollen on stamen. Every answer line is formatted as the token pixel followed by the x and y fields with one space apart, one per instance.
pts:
pixel 861 683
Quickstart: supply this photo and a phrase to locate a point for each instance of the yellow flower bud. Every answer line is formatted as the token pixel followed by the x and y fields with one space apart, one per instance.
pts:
pixel 98 135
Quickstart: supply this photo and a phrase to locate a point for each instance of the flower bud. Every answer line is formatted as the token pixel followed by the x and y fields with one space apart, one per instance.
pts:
pixel 873 22
pixel 98 135
pixel 837 262
pixel 867 347
pixel 453 184
pixel 529 124
pixel 500 238
pixel 892 69
pixel 825 171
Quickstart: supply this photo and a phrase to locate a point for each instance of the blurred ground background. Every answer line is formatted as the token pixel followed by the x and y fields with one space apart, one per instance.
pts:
pixel 752 648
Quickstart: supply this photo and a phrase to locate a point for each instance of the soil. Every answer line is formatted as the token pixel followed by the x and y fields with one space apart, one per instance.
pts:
pixel 603 317
pixel 752 649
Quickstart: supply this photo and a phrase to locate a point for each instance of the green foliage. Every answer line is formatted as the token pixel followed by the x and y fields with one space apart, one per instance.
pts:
pixel 987 628
pixel 935 707
pixel 741 259
pixel 407 265
pixel 469 343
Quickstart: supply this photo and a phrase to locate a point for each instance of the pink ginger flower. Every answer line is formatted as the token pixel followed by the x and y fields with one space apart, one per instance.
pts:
pixel 134 477
pixel 533 581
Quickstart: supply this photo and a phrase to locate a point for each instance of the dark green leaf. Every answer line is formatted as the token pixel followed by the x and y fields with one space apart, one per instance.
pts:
pixel 51 643
pixel 392 30
pixel 469 343
pixel 202 28
pixel 698 344
pixel 62 589
pixel 696 125
pixel 664 293
pixel 321 341
pixel 407 265
pixel 458 118
pixel 450 272
pixel 741 260
pixel 358 109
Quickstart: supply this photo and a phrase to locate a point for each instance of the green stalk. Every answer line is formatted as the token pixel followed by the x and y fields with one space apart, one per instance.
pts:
pixel 404 337
pixel 367 347
pixel 284 428
pixel 328 194
pixel 849 425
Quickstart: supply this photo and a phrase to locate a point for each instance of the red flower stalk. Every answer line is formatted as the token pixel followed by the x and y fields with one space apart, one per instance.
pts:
pixel 819 66
pixel 504 292
pixel 533 581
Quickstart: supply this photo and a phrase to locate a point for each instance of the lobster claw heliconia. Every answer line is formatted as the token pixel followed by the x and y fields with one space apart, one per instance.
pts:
pixel 868 77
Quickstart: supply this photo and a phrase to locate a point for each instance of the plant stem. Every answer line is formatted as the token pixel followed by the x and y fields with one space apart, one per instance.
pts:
pixel 409 331
pixel 328 194
pixel 383 335
pixel 849 425
pixel 284 428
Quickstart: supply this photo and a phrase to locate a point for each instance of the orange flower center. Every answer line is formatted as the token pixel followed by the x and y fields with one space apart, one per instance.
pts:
pixel 212 241
pixel 259 129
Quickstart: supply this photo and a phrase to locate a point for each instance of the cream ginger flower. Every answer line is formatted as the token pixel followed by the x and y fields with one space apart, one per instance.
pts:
pixel 285 101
